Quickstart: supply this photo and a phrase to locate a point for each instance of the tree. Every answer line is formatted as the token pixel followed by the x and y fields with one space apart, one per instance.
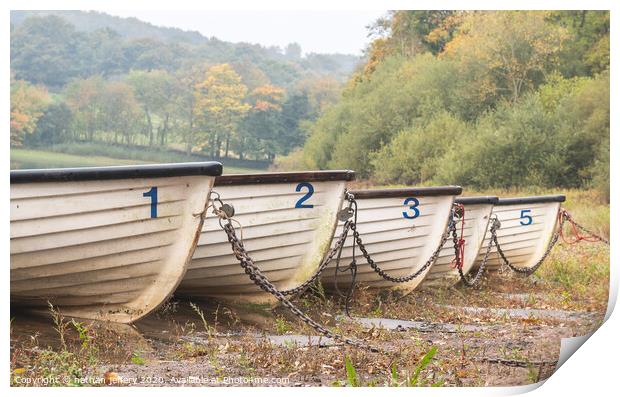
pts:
pixel 43 51
pixel 263 124
pixel 219 107
pixel 507 52
pixel 84 99
pixel 53 127
pixel 293 51
pixel 586 51
pixel 408 33
pixel 296 112
pixel 322 92
pixel 27 105
pixel 120 111
pixel 154 90
pixel 188 79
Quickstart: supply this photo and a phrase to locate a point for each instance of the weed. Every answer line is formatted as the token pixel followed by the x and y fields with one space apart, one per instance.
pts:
pixel 137 359
pixel 282 326
pixel 209 329
pixel 532 374
pixel 86 341
pixel 60 325
pixel 352 378
pixel 414 380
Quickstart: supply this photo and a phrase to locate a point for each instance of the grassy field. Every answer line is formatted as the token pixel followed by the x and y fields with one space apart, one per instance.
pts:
pixel 26 158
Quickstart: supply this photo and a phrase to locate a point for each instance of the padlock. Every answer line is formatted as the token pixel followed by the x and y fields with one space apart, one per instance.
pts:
pixel 344 214
pixel 228 209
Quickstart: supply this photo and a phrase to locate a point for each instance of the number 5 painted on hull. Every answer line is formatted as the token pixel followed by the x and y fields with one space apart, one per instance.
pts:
pixel 527 217
pixel 301 201
pixel 153 195
pixel 414 207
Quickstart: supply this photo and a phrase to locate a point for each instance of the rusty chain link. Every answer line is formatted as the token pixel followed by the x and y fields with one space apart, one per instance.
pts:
pixel 598 237
pixel 337 248
pixel 404 279
pixel 563 216
pixel 255 274
pixel 472 281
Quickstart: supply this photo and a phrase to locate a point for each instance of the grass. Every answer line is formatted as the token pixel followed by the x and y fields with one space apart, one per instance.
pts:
pixel 26 158
pixel 29 159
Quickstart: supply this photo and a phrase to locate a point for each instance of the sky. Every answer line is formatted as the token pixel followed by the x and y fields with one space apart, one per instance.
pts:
pixel 316 31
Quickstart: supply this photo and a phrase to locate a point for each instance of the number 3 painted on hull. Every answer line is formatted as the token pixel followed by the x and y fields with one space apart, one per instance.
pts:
pixel 301 201
pixel 413 207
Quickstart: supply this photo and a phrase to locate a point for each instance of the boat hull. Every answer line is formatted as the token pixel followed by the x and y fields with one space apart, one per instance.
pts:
pixel 104 249
pixel 286 241
pixel 398 245
pixel 443 272
pixel 525 233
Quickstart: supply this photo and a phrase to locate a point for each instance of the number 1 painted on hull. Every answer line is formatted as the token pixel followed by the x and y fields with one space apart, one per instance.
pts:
pixel 153 195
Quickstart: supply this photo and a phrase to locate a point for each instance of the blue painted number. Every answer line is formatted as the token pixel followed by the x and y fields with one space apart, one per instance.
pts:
pixel 528 218
pixel 300 202
pixel 153 195
pixel 413 207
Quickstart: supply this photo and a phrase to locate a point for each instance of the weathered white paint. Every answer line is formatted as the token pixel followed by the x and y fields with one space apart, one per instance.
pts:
pixel 523 245
pixel 443 273
pixel 92 248
pixel 286 243
pixel 398 245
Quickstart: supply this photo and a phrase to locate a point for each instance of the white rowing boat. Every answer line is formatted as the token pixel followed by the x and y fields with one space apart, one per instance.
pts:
pixel 288 221
pixel 108 243
pixel 477 214
pixel 527 226
pixel 401 228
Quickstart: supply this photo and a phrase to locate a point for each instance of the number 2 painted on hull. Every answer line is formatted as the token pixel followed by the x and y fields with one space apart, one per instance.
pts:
pixel 527 217
pixel 301 201
pixel 153 195
pixel 413 207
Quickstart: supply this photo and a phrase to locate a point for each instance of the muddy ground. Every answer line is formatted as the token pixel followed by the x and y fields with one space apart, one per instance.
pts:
pixel 507 331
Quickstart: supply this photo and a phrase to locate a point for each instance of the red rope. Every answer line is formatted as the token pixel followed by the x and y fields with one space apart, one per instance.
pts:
pixel 578 236
pixel 461 242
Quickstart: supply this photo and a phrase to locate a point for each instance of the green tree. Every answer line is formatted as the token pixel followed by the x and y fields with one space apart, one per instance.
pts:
pixel 84 99
pixel 262 125
pixel 120 111
pixel 43 51
pixel 53 126
pixel 155 91
pixel 586 51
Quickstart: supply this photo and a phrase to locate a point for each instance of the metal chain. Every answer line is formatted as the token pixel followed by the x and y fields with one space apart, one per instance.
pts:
pixel 469 281
pixel 255 274
pixel 352 267
pixel 529 270
pixel 403 279
pixel 563 217
pixel 583 229
pixel 330 255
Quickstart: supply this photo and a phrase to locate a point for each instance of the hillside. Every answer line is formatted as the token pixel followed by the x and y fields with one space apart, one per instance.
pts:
pixel 133 28
pixel 283 67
